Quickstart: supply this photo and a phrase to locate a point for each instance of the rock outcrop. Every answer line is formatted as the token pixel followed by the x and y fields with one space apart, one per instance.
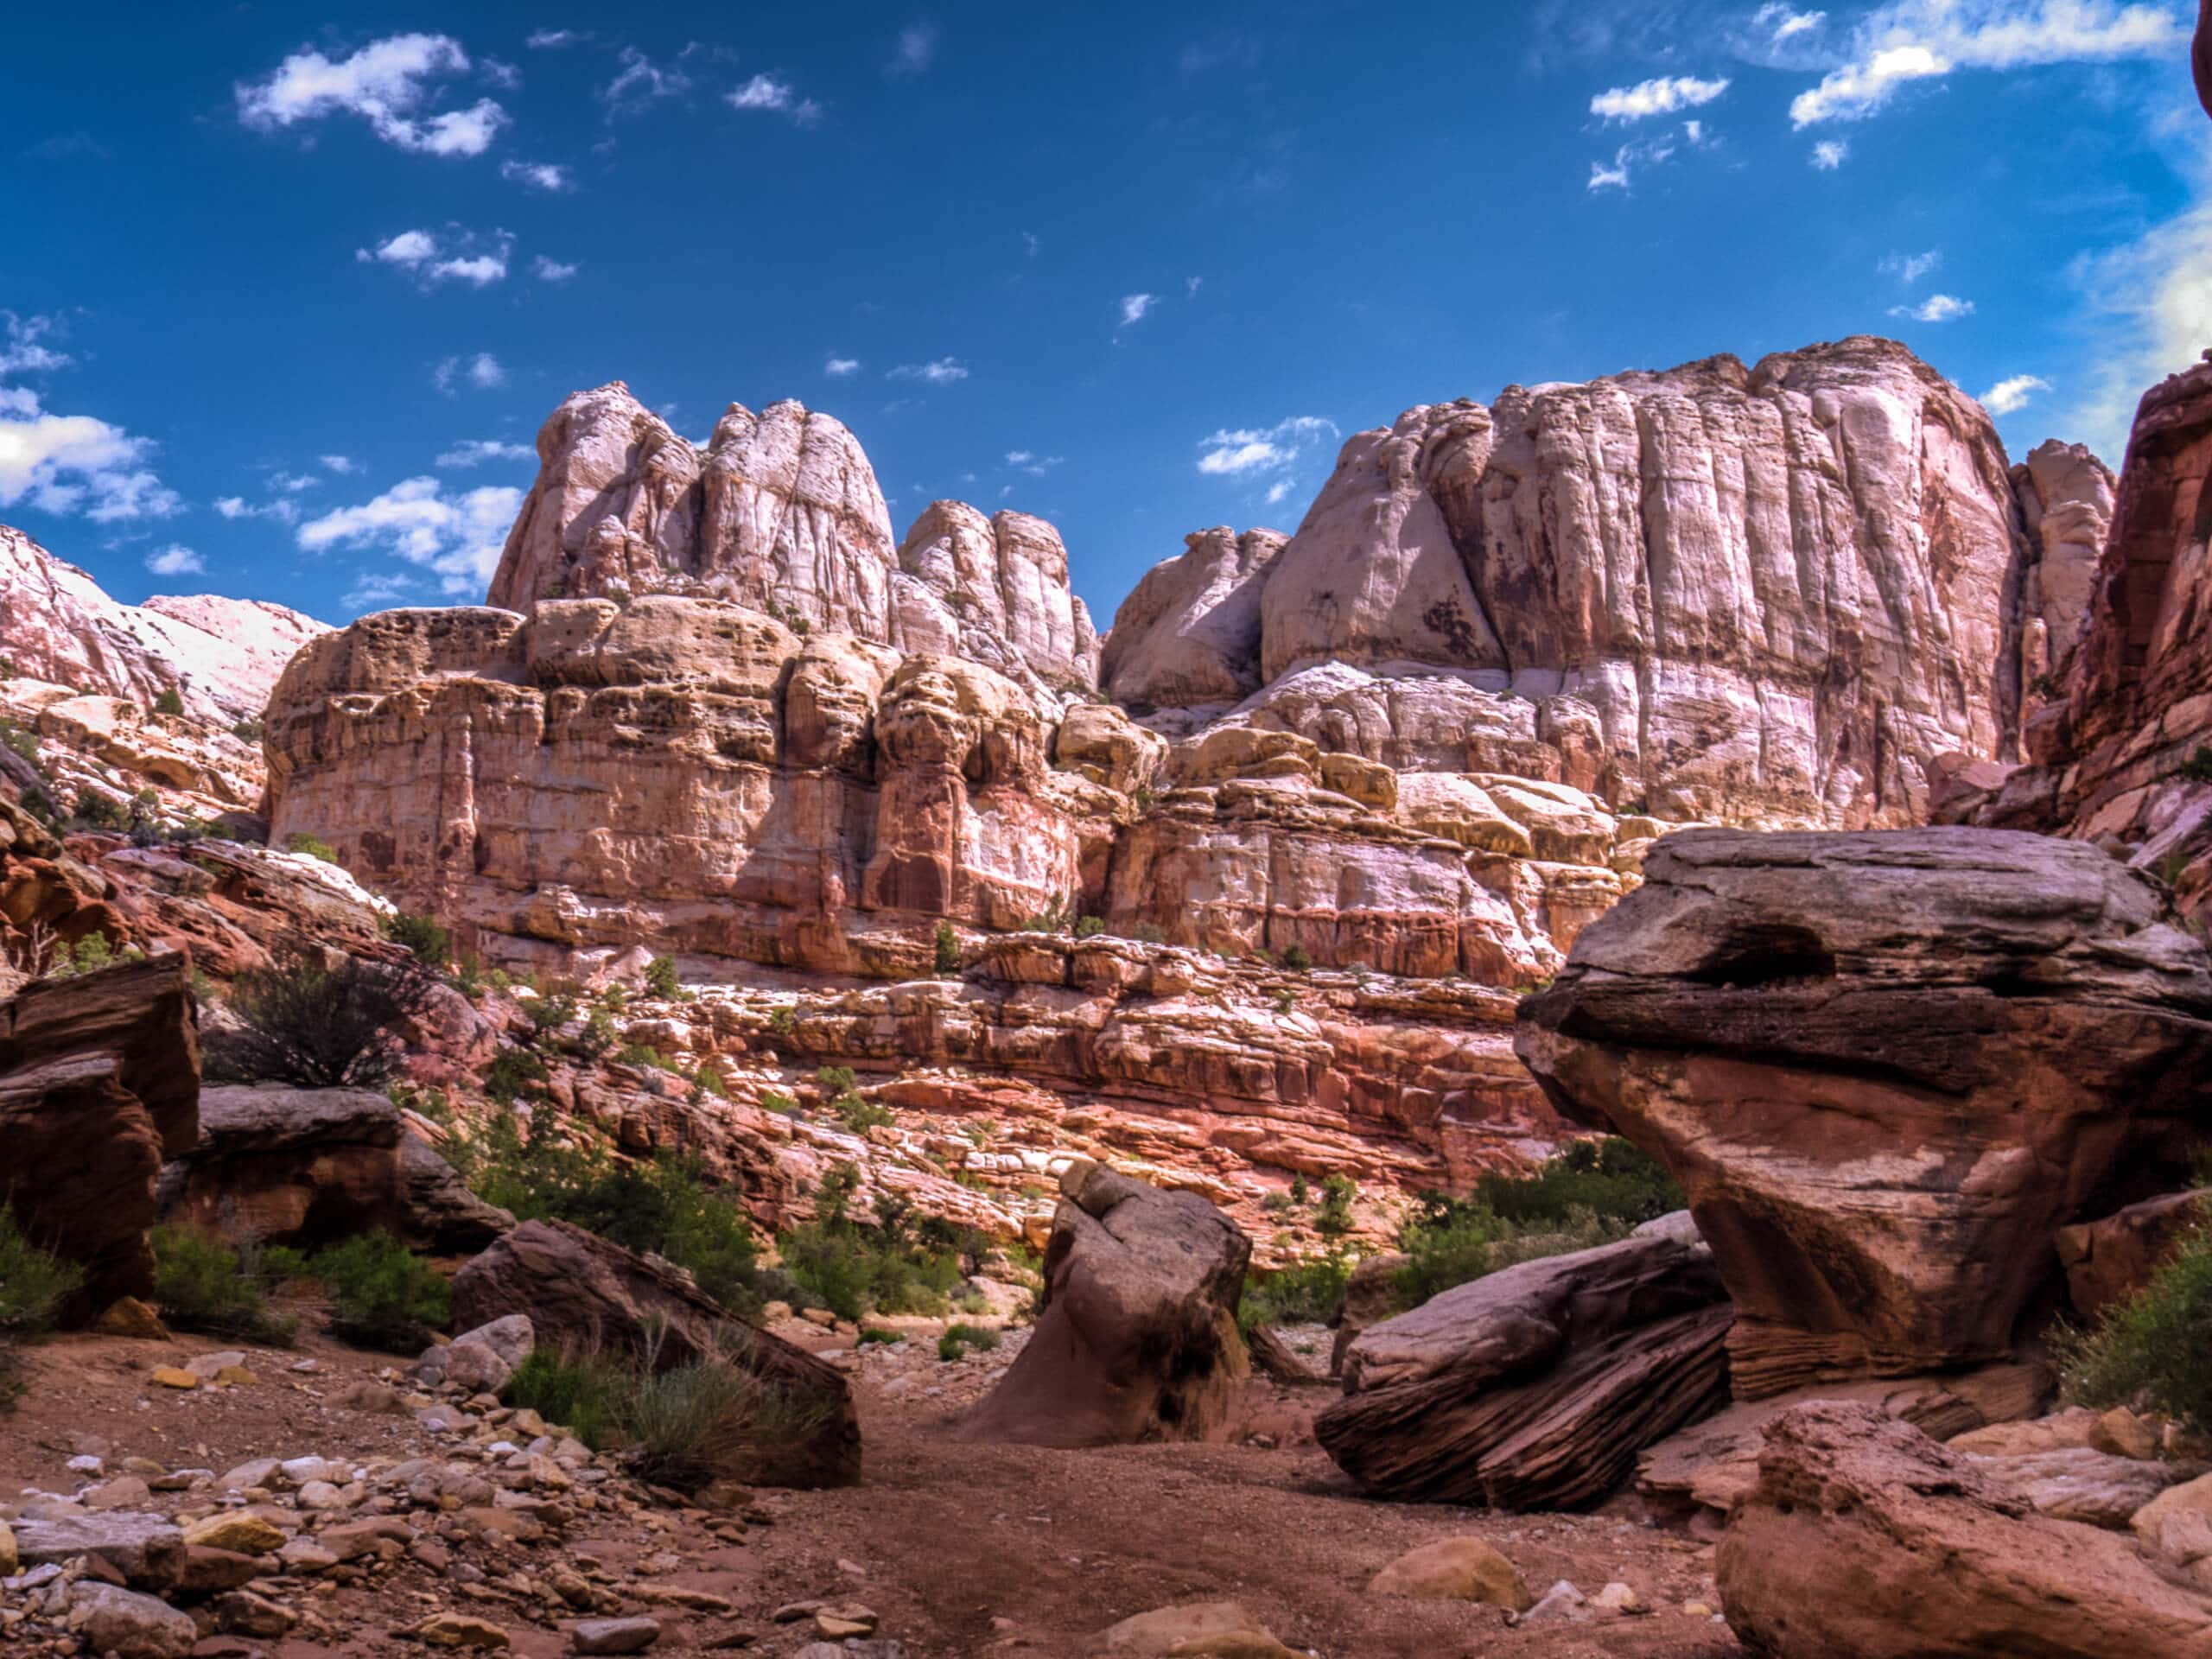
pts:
pixel 584 1294
pixel 1535 1386
pixel 1886 1067
pixel 220 656
pixel 1865 1536
pixel 99 1083
pixel 2109 1258
pixel 2066 503
pixel 1136 1339
pixel 312 1166
pixel 780 513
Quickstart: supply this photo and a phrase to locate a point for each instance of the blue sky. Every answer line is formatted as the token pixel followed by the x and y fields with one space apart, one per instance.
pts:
pixel 286 292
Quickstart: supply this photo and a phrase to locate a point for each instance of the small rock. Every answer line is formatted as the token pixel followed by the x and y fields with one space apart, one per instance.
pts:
pixel 239 1531
pixel 129 1317
pixel 128 1624
pixel 600 1636
pixel 125 1492
pixel 372 1398
pixel 2123 1434
pixel 460 1630
pixel 85 1465
pixel 171 1376
pixel 844 1618
pixel 243 1613
pixel 1698 1609
pixel 236 1376
pixel 209 1571
pixel 1455 1569
pixel 261 1471
pixel 206 1367
pixel 8 1560
pixel 1619 1598
pixel 1198 1627
pixel 1562 1604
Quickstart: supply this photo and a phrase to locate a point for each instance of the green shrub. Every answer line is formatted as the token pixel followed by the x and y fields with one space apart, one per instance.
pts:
pixel 511 1074
pixel 2198 769
pixel 303 1022
pixel 168 702
pixel 1333 1219
pixel 202 1284
pixel 382 1294
pixel 834 1080
pixel 2154 1351
pixel 1299 1193
pixel 1610 1179
pixel 661 979
pixel 1457 1243
pixel 775 1100
pixel 20 739
pixel 424 936
pixel 585 1395
pixel 1090 927
pixel 247 731
pixel 1297 958
pixel 710 1420
pixel 836 1262
pixel 96 811
pixel 549 1013
pixel 313 846
pixel 960 1339
pixel 1306 1293
pixel 874 1334
pixel 948 951
pixel 88 956
pixel 860 1115
pixel 34 1284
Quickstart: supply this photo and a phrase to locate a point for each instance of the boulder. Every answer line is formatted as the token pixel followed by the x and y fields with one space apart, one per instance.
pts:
pixel 1221 1630
pixel 2083 1484
pixel 2109 1258
pixel 1865 1536
pixel 1455 1569
pixel 1371 1295
pixel 1885 1067
pixel 112 1620
pixel 582 1294
pixel 99 1083
pixel 309 1166
pixel 147 1549
pixel 2177 1525
pixel 1137 1336
pixel 479 1361
pixel 1535 1386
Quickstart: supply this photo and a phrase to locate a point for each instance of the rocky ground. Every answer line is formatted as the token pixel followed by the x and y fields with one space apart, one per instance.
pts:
pixel 954 1549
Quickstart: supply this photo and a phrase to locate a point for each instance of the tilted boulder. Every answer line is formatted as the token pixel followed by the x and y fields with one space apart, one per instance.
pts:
pixel 1885 1067
pixel 1865 1536
pixel 99 1083
pixel 1137 1339
pixel 308 1167
pixel 1535 1386
pixel 582 1294
pixel 2109 1258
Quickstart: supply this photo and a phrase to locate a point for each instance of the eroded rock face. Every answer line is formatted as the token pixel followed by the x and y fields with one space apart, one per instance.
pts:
pixel 1536 1386
pixel 1865 1536
pixel 781 512
pixel 580 1293
pixel 1766 593
pixel 2066 502
pixel 99 1083
pixel 1885 1067
pixel 1137 1339
pixel 222 655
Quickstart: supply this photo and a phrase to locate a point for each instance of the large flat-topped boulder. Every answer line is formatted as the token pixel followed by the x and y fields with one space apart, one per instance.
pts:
pixel 1885 1067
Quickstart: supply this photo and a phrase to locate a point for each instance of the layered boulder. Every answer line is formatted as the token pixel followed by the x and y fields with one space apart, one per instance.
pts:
pixel 1865 1536
pixel 1535 1386
pixel 1886 1067
pixel 581 1294
pixel 1136 1339
pixel 311 1167
pixel 99 1084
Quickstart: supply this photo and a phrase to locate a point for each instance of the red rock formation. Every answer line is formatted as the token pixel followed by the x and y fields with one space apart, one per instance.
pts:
pixel 1885 1067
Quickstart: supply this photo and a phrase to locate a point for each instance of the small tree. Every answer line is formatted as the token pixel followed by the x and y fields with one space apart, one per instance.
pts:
pixel 303 1022
pixel 425 935
pixel 1333 1219
pixel 661 978
pixel 168 702
pixel 948 950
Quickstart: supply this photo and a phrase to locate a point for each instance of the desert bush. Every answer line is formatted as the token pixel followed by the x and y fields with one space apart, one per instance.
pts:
pixel 423 936
pixel 948 951
pixel 1610 1179
pixel 2154 1351
pixel 1333 1218
pixel 312 846
pixel 836 1262
pixel 1090 927
pixel 303 1022
pixel 584 1394
pixel 962 1338
pixel 661 978
pixel 511 1073
pixel 382 1294
pixel 1297 958
pixel 709 1420
pixel 96 811
pixel 168 700
pixel 202 1283
pixel 1457 1243
pixel 248 731
pixel 1305 1293
pixel 859 1115
pixel 34 1283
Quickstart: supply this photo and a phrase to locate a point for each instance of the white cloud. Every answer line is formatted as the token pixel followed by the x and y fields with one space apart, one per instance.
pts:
pixel 2013 393
pixel 1919 40
pixel 458 537
pixel 1028 460
pixel 779 97
pixel 475 452
pixel 341 465
pixel 1663 96
pixel 375 587
pixel 552 271
pixel 1248 452
pixel 1030 243
pixel 839 367
pixel 1190 286
pixel 1134 306
pixel 237 507
pixel 75 464
pixel 548 176
pixel 23 354
pixel 551 40
pixel 1277 491
pixel 942 372
pixel 1830 154
pixel 1781 23
pixel 175 559
pixel 641 84
pixel 293 483
pixel 501 74
pixel 386 83
pixel 480 370
pixel 917 51
pixel 1909 268
pixel 479 261
pixel 1936 307
pixel 1614 176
